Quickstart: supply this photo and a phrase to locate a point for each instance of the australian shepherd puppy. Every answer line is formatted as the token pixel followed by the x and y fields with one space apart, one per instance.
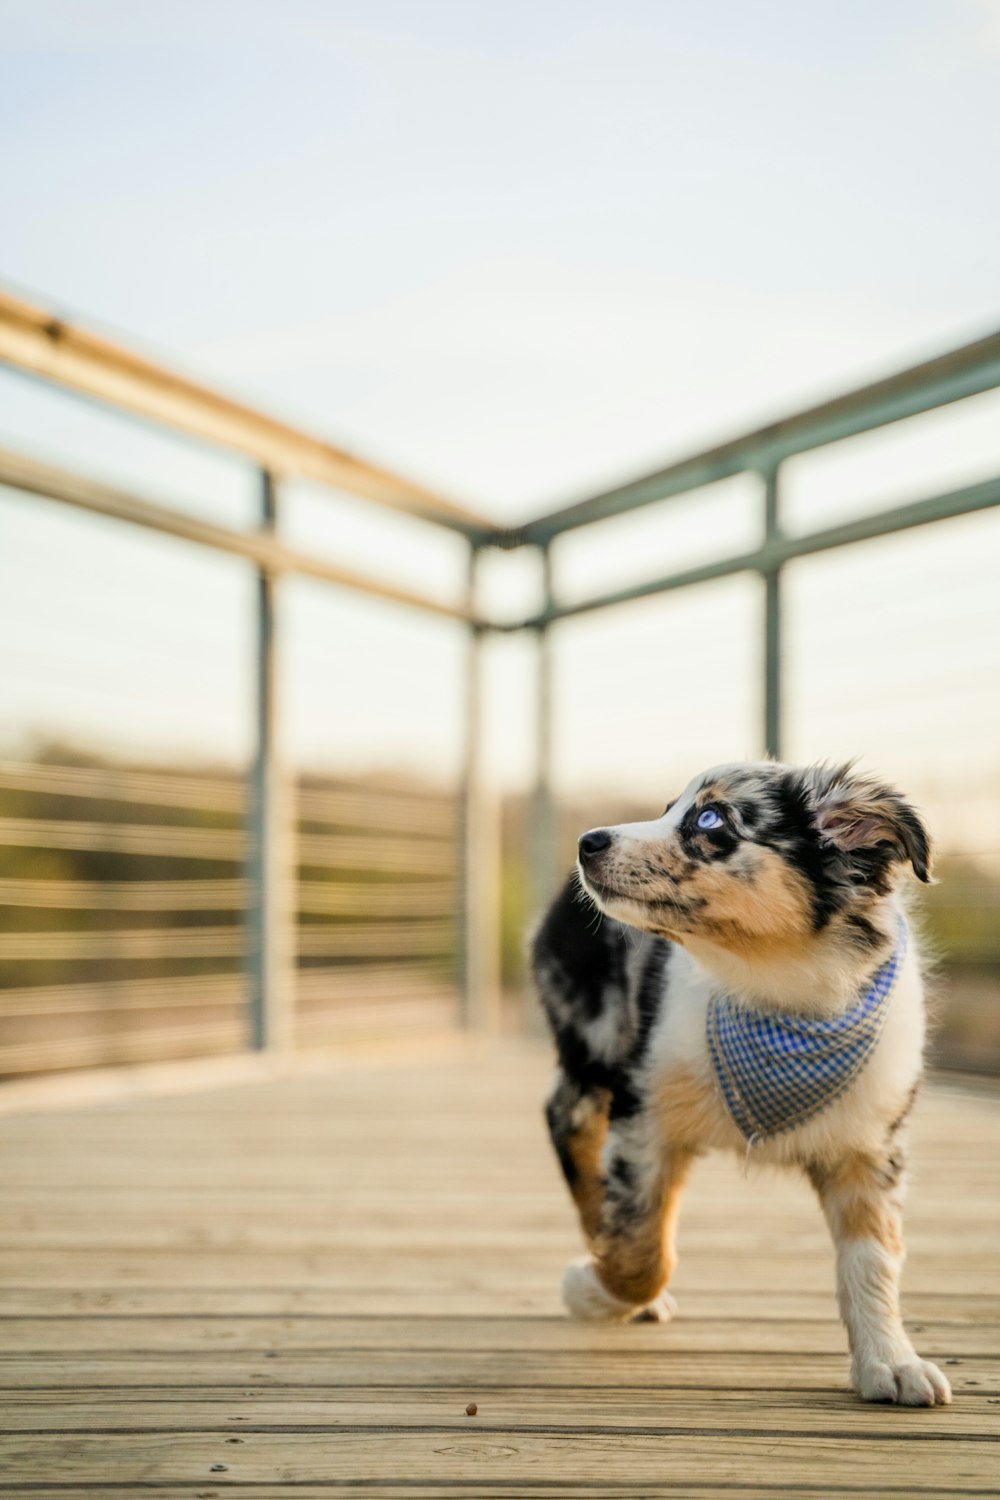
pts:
pixel 770 1004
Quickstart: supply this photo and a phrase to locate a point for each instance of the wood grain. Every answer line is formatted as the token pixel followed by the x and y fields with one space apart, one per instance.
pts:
pixel 307 1279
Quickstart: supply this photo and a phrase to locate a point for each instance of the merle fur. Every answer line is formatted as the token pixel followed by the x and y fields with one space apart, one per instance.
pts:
pixel 602 986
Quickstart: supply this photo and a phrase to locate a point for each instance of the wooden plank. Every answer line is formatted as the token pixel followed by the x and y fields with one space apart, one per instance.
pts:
pixel 441 1335
pixel 169 1409
pixel 394 1369
pixel 329 1267
pixel 429 812
pixel 323 940
pixel 718 1303
pixel 344 1025
pixel 365 983
pixel 508 1457
pixel 405 898
pixel 227 846
pixel 458 1337
pixel 488 1489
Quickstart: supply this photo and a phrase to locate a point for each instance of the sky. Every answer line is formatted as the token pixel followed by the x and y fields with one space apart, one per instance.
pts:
pixel 519 252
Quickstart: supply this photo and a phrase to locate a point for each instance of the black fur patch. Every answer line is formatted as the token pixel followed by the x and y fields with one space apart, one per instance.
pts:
pixel 749 812
pixel 580 967
pixel 791 830
pixel 588 948
pixel 589 1073
pixel 622 1172
pixel 626 1098
pixel 864 933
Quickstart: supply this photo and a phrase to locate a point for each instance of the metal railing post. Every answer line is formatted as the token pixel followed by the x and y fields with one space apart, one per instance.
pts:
pixel 772 620
pixel 480 857
pixel 544 833
pixel 271 915
pixel 544 830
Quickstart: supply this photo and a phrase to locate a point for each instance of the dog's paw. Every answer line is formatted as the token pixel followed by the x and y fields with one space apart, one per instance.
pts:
pixel 914 1382
pixel 585 1296
pixel 659 1311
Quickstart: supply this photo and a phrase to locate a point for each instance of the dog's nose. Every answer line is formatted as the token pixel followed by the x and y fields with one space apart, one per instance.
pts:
pixel 594 842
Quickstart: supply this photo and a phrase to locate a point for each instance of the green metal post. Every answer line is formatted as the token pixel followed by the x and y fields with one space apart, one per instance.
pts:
pixel 772 621
pixel 271 913
pixel 544 821
pixel 480 857
pixel 544 833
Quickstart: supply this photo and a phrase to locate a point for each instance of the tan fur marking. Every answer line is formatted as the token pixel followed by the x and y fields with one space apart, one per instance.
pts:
pixel 687 1108
pixel 858 1206
pixel 755 905
pixel 635 1267
pixel 867 1219
pixel 761 917
pixel 584 1146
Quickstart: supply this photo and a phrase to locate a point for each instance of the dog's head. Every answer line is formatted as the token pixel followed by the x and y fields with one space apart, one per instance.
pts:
pixel 756 858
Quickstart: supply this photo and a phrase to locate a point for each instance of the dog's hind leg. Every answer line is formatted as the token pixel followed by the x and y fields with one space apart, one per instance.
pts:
pixel 633 1250
pixel 861 1196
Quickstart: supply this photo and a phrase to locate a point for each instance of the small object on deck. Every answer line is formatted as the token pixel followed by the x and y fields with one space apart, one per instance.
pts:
pixel 471 1409
pixel 219 1468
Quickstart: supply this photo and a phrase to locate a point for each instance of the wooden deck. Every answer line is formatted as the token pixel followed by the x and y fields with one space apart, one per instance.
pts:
pixel 294 1287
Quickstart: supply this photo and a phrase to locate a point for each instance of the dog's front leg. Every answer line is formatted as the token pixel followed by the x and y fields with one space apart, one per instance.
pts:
pixel 577 1118
pixel 861 1196
pixel 633 1240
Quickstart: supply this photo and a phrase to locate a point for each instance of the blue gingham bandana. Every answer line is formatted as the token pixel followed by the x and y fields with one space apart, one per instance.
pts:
pixel 778 1069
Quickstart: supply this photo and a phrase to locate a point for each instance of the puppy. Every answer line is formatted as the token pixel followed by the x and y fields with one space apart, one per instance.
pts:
pixel 770 1004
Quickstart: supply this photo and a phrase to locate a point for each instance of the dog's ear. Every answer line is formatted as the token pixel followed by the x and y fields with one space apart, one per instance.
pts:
pixel 856 813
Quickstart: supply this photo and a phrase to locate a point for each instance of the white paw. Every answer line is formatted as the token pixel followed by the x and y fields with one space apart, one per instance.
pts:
pixel 585 1296
pixel 913 1382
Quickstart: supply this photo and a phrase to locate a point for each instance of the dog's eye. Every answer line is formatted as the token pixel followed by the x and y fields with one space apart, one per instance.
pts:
pixel 708 818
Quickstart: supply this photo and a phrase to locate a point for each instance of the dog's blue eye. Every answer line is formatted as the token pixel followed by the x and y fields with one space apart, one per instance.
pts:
pixel 709 818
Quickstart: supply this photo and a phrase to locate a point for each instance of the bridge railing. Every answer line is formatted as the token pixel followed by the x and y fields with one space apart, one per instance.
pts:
pixel 273 859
